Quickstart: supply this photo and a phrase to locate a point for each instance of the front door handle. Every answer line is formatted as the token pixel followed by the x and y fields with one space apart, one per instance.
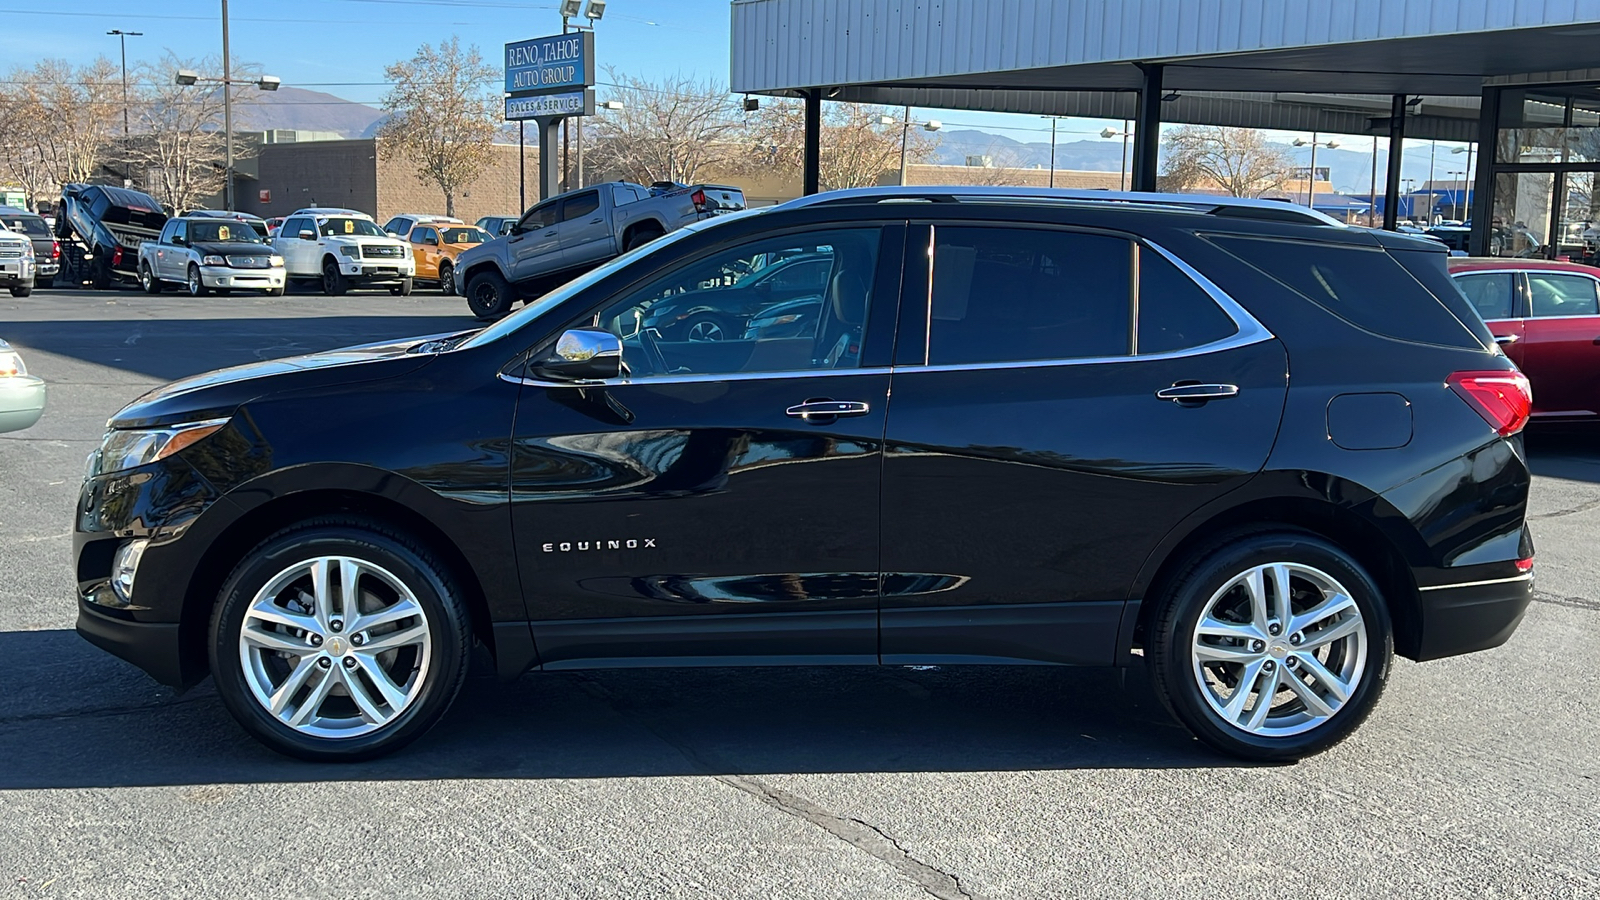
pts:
pixel 828 409
pixel 1512 339
pixel 1191 393
pixel 596 221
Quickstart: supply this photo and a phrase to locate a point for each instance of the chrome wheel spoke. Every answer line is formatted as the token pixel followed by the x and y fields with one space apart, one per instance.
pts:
pixel 393 694
pixel 279 701
pixel 1219 653
pixel 276 640
pixel 1241 693
pixel 277 615
pixel 1339 630
pixel 1330 682
pixel 321 591
pixel 1255 584
pixel 1217 628
pixel 325 680
pixel 349 589
pixel 1268 689
pixel 362 699
pixel 398 611
pixel 1281 595
pixel 405 637
pixel 1323 611
pixel 1313 701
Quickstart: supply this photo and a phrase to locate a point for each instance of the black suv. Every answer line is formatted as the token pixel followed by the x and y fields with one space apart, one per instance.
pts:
pixel 1254 449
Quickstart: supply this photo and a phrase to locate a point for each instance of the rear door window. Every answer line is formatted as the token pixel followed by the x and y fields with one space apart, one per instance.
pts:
pixel 1363 285
pixel 580 206
pixel 1490 293
pixel 1175 313
pixel 1553 294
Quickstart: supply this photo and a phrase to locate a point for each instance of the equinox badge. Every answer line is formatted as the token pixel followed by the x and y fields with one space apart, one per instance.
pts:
pixel 581 546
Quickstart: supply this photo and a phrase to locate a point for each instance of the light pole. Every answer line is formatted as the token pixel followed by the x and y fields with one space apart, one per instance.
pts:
pixel 1122 173
pixel 611 105
pixel 1466 212
pixel 905 131
pixel 127 141
pixel 1455 198
pixel 1311 179
pixel 188 78
pixel 1053 121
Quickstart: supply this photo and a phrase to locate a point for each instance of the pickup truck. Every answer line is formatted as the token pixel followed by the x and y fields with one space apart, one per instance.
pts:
pixel 207 253
pixel 574 232
pixel 106 225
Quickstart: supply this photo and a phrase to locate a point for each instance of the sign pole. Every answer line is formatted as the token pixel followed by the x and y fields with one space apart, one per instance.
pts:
pixel 522 166
pixel 549 80
pixel 549 155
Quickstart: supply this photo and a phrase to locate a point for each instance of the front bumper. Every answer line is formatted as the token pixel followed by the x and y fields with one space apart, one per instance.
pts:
pixel 242 279
pixel 15 272
pixel 155 647
pixel 375 269
pixel 21 402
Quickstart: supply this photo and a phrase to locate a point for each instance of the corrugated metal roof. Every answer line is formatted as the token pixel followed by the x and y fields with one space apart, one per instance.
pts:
pixel 1379 46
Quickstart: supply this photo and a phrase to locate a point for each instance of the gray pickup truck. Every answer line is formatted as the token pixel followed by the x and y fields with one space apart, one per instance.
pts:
pixel 573 232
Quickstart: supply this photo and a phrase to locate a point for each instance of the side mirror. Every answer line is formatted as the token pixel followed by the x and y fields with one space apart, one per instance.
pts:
pixel 308 235
pixel 431 241
pixel 584 354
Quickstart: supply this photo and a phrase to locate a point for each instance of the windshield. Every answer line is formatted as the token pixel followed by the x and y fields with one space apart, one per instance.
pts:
pixel 465 236
pixel 28 225
pixel 201 232
pixel 345 226
pixel 539 307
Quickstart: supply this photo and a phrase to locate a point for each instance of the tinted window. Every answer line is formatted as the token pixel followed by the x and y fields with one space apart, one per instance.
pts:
pixel 419 235
pixel 1362 285
pixel 706 317
pixel 293 227
pixel 809 275
pixel 32 226
pixel 1553 294
pixel 465 236
pixel 580 206
pixel 1174 312
pixel 1490 294
pixel 539 217
pixel 342 226
pixel 180 234
pixel 1010 294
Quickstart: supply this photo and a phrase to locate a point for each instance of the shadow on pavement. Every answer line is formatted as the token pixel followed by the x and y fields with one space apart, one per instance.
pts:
pixel 174 348
pixel 1572 454
pixel 72 717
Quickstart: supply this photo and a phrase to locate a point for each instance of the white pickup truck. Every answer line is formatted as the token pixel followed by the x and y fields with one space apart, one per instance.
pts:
pixel 206 253
pixel 573 232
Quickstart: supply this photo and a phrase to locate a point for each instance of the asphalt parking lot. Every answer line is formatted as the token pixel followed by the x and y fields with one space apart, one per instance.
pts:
pixel 1475 777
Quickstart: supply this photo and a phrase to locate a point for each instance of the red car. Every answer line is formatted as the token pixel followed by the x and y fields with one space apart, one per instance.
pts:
pixel 1546 316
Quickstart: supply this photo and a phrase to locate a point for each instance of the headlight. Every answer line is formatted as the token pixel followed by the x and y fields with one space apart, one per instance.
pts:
pixel 130 448
pixel 11 364
pixel 275 261
pixel 350 251
pixel 213 261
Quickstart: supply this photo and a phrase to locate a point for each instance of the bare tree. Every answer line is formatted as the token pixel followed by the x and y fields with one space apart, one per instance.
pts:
pixel 178 148
pixel 858 146
pixel 1236 161
pixel 61 121
pixel 442 116
pixel 667 130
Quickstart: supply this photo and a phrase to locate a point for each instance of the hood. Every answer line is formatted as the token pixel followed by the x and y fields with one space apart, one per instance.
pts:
pixel 221 392
pixel 233 248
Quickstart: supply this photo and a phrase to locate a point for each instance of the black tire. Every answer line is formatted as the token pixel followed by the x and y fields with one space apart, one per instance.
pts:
pixel 274 292
pixel 333 281
pixel 447 280
pixel 148 279
pixel 449 634
pixel 1171 656
pixel 641 237
pixel 489 296
pixel 195 284
pixel 403 289
pixel 223 292
pixel 47 281
pixel 22 290
pixel 100 275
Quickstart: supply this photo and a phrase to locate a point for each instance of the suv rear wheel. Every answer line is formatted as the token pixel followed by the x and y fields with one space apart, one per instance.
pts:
pixel 339 639
pixel 1272 646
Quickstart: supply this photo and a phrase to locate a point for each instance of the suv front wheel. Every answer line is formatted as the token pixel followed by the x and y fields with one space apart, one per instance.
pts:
pixel 1273 646
pixel 339 639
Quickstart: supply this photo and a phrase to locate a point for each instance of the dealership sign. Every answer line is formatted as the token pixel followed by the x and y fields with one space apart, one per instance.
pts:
pixel 558 63
pixel 570 103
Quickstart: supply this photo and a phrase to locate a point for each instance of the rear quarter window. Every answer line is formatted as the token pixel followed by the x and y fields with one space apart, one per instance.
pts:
pixel 1368 287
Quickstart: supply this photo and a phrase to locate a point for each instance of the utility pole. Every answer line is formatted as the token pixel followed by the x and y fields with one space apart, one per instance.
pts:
pixel 1122 178
pixel 1433 153
pixel 905 131
pixel 127 140
pixel 1053 121
pixel 227 114
pixel 1372 188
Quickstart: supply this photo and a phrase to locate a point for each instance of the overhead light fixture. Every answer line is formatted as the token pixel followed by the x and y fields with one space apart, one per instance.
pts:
pixel 594 9
pixel 751 104
pixel 888 120
pixel 1169 97
pixel 571 8
pixel 1109 132
pixel 612 105
pixel 186 77
pixel 269 82
pixel 932 125
pixel 1414 102
pixel 833 92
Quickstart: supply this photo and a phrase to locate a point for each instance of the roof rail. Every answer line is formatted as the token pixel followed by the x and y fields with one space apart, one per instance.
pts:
pixel 1237 207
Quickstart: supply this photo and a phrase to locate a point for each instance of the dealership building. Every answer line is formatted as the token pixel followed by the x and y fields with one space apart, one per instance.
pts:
pixel 1519 80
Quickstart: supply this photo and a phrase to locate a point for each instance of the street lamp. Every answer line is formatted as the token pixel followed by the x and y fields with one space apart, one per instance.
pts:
pixel 127 142
pixel 604 106
pixel 905 130
pixel 1122 172
pixel 1466 212
pixel 190 78
pixel 1311 180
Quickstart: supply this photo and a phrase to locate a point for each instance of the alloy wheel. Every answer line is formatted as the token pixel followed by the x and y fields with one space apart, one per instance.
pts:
pixel 335 647
pixel 706 330
pixel 1279 649
pixel 196 285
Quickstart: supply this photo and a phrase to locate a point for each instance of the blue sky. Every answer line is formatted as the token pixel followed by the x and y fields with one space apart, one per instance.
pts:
pixel 342 46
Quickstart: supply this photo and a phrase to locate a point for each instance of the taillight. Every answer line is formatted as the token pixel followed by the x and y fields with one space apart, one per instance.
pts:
pixel 1525 565
pixel 55 249
pixel 116 257
pixel 1504 399
pixel 699 199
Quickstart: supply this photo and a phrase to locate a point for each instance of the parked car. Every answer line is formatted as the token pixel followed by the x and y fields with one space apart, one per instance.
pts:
pixel 1546 316
pixel 273 224
pixel 21 395
pixel 574 232
pixel 1257 453
pixel 343 248
pixel 46 250
pixel 498 226
pixel 402 225
pixel 105 226
pixel 17 263
pixel 256 223
pixel 211 253
pixel 434 249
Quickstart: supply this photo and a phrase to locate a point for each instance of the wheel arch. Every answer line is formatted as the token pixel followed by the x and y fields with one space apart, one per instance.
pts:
pixel 1353 528
pixel 480 267
pixel 260 522
pixel 651 224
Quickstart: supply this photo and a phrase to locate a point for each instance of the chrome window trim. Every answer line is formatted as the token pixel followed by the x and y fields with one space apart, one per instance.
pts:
pixel 1230 343
pixel 1461 273
pixel 1466 584
pixel 695 379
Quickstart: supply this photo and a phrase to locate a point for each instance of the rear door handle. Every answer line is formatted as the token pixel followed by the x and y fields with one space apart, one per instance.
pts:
pixel 828 409
pixel 1186 393
pixel 1512 339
